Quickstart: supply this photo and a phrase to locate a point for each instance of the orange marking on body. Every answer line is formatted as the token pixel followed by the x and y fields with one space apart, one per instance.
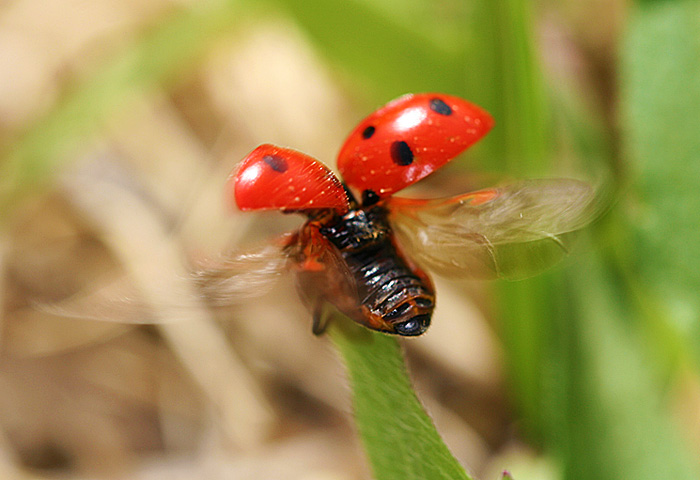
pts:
pixel 483 196
pixel 310 264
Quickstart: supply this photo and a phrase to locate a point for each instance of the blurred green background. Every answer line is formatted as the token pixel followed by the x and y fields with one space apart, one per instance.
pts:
pixel 600 355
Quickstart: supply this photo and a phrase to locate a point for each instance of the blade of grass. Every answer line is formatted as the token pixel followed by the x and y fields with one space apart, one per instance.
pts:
pixel 510 82
pixel 156 58
pixel 399 437
pixel 616 422
pixel 506 80
pixel 389 52
pixel 660 85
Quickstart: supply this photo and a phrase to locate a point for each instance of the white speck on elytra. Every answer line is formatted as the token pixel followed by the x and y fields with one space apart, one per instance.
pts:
pixel 296 199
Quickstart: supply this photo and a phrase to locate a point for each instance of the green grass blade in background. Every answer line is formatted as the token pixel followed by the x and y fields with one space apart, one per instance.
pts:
pixel 506 79
pixel 509 79
pixel 159 56
pixel 615 421
pixel 399 437
pixel 390 53
pixel 661 118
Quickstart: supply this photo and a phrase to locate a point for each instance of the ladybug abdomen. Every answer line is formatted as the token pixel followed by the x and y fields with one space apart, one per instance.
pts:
pixel 388 282
pixel 390 291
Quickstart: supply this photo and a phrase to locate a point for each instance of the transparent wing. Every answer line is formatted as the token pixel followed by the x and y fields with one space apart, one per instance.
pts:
pixel 229 279
pixel 238 277
pixel 512 231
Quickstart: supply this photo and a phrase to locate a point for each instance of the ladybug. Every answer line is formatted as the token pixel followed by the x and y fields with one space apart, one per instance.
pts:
pixel 362 249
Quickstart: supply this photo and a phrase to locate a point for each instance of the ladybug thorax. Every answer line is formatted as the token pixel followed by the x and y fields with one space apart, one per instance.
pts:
pixel 358 229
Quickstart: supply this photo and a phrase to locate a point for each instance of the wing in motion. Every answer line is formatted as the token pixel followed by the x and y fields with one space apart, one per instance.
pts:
pixel 240 276
pixel 228 280
pixel 511 232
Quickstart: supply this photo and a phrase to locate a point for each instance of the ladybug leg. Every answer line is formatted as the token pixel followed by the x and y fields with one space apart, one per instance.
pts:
pixel 321 318
pixel 316 267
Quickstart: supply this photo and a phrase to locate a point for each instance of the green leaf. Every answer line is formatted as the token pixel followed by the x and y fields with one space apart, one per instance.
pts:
pixel 505 78
pixel 509 79
pixel 400 439
pixel 614 420
pixel 411 47
pixel 660 84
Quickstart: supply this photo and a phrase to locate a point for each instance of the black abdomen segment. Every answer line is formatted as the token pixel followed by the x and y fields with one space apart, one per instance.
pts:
pixel 387 286
pixel 387 280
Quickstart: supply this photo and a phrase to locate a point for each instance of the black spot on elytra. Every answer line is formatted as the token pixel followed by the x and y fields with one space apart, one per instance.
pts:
pixel 368 132
pixel 401 153
pixel 439 106
pixel 369 197
pixel 278 164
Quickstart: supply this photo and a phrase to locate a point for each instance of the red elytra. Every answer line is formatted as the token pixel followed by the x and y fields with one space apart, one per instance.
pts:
pixel 408 139
pixel 272 177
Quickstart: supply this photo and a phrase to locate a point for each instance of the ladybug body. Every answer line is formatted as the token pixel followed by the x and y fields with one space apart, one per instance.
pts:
pixel 358 256
pixel 367 277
